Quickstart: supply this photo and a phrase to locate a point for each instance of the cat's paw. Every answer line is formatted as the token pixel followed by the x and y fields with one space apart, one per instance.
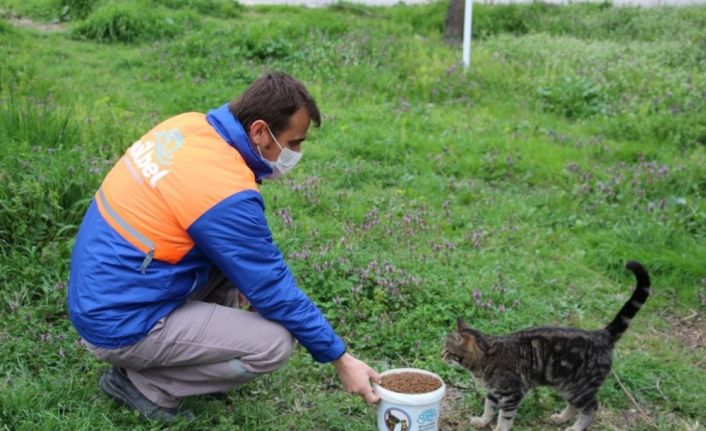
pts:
pixel 479 422
pixel 573 428
pixel 559 418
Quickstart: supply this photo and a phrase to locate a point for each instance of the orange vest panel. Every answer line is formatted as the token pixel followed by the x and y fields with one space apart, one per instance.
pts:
pixel 167 180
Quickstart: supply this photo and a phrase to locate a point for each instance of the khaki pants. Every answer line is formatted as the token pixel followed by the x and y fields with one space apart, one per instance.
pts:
pixel 207 345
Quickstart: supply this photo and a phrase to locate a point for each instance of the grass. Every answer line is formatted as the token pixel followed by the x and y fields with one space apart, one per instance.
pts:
pixel 510 194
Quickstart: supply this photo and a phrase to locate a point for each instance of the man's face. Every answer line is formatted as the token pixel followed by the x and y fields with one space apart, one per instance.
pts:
pixel 291 138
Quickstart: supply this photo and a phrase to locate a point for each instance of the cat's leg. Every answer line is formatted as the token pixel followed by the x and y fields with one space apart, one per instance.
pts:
pixel 508 410
pixel 491 406
pixel 566 415
pixel 586 411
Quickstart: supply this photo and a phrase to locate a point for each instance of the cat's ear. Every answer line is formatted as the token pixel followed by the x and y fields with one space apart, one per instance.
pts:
pixel 470 342
pixel 473 340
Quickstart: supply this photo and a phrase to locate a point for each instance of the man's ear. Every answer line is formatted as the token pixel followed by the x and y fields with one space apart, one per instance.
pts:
pixel 258 132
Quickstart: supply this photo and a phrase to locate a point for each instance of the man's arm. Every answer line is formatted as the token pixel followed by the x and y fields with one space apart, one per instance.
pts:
pixel 235 236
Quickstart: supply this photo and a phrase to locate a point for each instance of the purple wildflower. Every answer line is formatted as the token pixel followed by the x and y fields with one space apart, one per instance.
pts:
pixel 285 216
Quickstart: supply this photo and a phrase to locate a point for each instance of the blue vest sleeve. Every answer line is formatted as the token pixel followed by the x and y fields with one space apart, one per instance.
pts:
pixel 235 236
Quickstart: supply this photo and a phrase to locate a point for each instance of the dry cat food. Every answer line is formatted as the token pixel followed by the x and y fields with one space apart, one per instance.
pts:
pixel 410 383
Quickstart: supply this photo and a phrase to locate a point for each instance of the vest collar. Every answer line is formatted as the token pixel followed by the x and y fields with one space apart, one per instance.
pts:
pixel 232 132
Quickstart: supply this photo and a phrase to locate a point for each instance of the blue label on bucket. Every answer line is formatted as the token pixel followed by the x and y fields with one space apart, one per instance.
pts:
pixel 427 416
pixel 427 419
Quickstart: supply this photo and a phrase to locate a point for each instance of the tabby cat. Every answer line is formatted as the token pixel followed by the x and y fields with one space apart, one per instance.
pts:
pixel 573 361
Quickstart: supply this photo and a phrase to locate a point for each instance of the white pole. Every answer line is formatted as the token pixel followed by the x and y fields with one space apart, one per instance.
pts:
pixel 467 18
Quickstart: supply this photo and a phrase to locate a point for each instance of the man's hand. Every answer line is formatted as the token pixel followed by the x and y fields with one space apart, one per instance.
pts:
pixel 355 376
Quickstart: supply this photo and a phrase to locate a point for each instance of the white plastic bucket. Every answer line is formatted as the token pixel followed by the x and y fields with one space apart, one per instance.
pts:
pixel 409 412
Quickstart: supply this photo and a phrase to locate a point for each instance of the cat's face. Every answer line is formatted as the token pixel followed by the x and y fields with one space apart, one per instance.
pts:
pixel 454 351
pixel 461 347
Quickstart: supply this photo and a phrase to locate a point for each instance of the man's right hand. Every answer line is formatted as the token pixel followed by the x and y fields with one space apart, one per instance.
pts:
pixel 355 375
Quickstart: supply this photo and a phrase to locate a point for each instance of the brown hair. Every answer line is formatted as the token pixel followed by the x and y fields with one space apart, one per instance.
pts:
pixel 274 97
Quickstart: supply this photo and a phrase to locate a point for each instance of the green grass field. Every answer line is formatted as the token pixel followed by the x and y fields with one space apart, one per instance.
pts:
pixel 510 194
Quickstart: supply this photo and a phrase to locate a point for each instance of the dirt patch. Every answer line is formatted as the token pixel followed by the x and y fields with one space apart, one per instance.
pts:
pixel 456 413
pixel 631 419
pixel 618 419
pixel 690 330
pixel 43 27
pixel 458 407
pixel 410 383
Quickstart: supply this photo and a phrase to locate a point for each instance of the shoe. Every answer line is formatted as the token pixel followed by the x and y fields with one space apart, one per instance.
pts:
pixel 118 386
pixel 221 395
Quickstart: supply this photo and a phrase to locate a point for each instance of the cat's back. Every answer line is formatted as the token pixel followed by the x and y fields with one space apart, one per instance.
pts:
pixel 550 354
pixel 557 337
pixel 558 332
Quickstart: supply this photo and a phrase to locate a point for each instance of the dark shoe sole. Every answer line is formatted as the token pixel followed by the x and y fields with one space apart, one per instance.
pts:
pixel 153 412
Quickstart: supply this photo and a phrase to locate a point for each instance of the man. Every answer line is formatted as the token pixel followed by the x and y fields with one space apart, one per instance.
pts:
pixel 175 245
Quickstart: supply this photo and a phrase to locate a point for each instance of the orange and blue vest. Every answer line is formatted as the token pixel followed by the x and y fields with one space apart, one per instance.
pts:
pixel 182 199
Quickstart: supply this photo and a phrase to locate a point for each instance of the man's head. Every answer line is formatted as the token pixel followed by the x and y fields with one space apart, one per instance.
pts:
pixel 274 98
pixel 275 112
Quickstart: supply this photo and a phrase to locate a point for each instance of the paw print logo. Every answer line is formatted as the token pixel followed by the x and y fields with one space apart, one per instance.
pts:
pixel 167 144
pixel 427 416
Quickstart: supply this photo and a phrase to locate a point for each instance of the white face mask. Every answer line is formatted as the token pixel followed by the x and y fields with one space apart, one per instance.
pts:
pixel 285 162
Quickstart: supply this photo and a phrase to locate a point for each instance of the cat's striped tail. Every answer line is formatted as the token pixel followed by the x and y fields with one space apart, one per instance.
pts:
pixel 636 301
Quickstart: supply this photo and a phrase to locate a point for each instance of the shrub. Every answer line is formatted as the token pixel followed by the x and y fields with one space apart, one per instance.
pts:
pixel 75 9
pixel 5 27
pixel 511 18
pixel 222 46
pixel 423 19
pixel 670 128
pixel 589 21
pixel 215 8
pixel 132 22
pixel 574 97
